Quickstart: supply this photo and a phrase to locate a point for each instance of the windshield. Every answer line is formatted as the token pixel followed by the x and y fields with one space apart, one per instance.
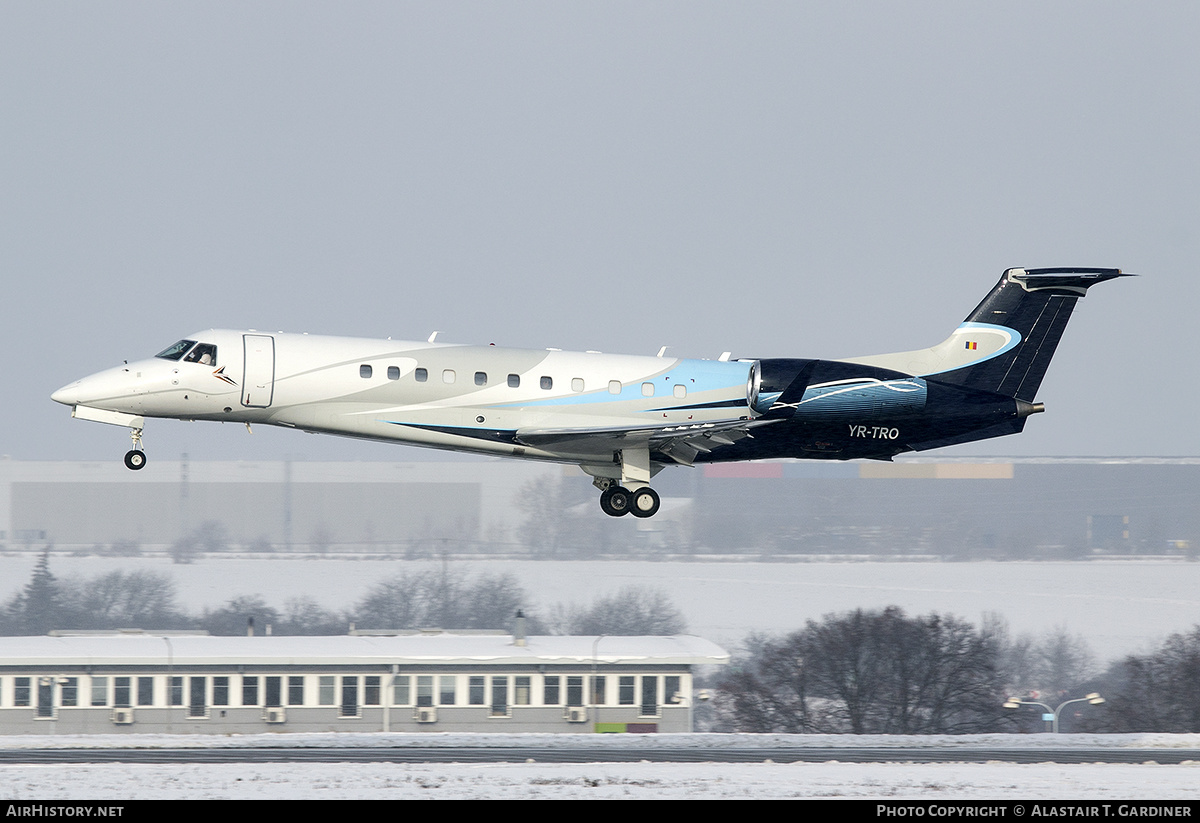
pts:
pixel 176 351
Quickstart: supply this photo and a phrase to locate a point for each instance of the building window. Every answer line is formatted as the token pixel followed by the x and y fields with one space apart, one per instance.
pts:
pixel 647 390
pixel 599 698
pixel 550 691
pixel 296 690
pixel 364 370
pixel 70 691
pixel 625 691
pixel 425 690
pixel 220 691
pixel 576 384
pixel 421 375
pixel 393 372
pixel 446 690
pixel 196 704
pixel 614 386
pixel 249 691
pixel 649 695
pixel 349 697
pixel 475 686
pixel 401 694
pixel 175 689
pixel 145 691
pixel 327 690
pixel 21 691
pixel 99 691
pixel 672 691
pixel 546 383
pixel 372 690
pixel 121 695
pixel 480 378
pixel 522 691
pixel 575 690
pixel 274 691
pixel 499 696
pixel 514 381
pixel 45 697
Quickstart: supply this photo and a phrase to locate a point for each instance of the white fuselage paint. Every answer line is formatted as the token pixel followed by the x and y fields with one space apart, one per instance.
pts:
pixel 467 400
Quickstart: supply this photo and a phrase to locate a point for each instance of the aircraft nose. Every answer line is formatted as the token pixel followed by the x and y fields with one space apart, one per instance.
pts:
pixel 68 395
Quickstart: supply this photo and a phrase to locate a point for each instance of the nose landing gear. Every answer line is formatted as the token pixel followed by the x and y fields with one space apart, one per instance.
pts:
pixel 135 458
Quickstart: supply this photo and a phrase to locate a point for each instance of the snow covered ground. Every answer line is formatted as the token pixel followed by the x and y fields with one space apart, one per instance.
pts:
pixel 832 779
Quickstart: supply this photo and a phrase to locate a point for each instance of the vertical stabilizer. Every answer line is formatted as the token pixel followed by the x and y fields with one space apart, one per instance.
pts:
pixel 1005 344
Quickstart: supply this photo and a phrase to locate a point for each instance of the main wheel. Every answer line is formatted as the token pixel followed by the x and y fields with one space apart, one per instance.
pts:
pixel 615 501
pixel 645 502
pixel 135 459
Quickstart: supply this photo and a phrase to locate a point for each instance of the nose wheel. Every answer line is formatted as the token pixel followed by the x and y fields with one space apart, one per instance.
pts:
pixel 135 458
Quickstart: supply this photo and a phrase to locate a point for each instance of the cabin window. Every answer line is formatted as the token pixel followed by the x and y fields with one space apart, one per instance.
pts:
pixel 480 378
pixel 546 383
pixel 447 375
pixel 614 386
pixel 421 375
pixel 576 384
pixel 364 370
pixel 393 372
pixel 647 390
pixel 514 381
pixel 680 390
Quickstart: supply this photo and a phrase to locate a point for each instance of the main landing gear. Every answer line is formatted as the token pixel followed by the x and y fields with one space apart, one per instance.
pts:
pixel 617 501
pixel 135 458
pixel 631 494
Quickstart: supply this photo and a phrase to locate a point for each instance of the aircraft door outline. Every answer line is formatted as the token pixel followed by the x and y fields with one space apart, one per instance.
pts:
pixel 258 374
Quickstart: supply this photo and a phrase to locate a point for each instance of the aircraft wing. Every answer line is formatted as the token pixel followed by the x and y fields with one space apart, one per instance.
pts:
pixel 680 443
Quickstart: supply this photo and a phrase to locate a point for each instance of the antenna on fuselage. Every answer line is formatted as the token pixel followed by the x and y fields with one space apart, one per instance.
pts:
pixel 433 337
pixel 725 355
pixel 662 351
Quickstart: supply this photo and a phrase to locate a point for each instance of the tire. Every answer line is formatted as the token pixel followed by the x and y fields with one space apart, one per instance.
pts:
pixel 615 501
pixel 645 502
pixel 135 459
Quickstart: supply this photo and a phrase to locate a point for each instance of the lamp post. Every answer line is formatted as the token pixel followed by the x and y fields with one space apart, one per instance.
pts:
pixel 1052 715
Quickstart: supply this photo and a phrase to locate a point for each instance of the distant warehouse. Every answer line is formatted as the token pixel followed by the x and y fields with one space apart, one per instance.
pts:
pixel 990 507
pixel 426 681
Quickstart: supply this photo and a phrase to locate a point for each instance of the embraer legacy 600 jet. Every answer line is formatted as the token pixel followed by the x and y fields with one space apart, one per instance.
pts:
pixel 621 418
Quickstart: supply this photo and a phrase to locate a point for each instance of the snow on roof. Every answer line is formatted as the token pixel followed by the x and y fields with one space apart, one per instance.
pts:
pixel 440 649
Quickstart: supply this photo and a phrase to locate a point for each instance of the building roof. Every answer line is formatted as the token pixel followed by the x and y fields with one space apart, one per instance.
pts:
pixel 420 649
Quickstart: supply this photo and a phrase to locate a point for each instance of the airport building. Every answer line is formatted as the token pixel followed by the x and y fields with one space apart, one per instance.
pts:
pixel 417 682
pixel 969 507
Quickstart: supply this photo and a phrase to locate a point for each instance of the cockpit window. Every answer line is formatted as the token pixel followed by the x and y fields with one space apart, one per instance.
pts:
pixel 205 354
pixel 176 351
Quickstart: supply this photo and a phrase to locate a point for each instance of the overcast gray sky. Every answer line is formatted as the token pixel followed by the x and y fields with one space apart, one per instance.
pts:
pixel 776 179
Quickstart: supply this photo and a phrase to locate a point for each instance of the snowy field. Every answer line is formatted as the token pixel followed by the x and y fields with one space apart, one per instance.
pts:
pixel 598 781
pixel 1119 607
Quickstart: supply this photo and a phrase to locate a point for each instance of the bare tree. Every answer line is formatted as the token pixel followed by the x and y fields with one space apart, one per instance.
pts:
pixel 868 672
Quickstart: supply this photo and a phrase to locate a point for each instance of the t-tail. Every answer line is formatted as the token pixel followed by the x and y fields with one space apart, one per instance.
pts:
pixel 1005 345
